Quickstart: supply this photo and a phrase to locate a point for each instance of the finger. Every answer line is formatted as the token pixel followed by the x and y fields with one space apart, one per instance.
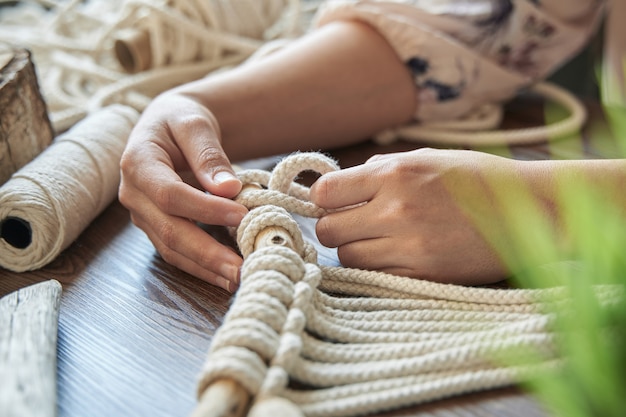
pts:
pixel 197 137
pixel 342 227
pixel 372 254
pixel 164 189
pixel 180 242
pixel 347 187
pixel 381 157
pixel 197 271
pixel 181 200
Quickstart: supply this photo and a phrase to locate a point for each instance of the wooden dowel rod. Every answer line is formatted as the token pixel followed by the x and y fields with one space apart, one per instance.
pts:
pixel 274 407
pixel 273 236
pixel 223 398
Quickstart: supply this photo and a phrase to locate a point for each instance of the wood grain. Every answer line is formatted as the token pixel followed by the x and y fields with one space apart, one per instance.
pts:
pixel 28 342
pixel 25 129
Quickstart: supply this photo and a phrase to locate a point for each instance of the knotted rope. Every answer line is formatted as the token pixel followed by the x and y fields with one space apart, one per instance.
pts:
pixel 331 341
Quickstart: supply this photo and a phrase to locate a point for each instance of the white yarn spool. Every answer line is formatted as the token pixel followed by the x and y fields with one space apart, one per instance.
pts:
pixel 51 200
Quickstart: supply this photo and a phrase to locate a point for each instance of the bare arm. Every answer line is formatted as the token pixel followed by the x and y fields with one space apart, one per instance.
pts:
pixel 607 177
pixel 336 87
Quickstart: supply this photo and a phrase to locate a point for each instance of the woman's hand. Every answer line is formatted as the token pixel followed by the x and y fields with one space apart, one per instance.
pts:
pixel 176 135
pixel 413 214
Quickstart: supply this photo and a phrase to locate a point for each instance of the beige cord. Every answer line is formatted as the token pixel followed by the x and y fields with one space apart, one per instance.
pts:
pixel 480 127
pixel 80 67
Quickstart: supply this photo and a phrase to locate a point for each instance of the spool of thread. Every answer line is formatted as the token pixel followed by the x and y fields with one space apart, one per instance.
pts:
pixel 47 203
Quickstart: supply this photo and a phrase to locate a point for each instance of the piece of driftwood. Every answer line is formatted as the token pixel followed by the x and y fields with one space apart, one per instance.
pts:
pixel 28 350
pixel 25 129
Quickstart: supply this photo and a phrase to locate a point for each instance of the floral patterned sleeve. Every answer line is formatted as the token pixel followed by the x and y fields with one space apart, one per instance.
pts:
pixel 464 53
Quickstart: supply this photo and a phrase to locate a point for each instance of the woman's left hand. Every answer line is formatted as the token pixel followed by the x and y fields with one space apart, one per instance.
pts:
pixel 413 214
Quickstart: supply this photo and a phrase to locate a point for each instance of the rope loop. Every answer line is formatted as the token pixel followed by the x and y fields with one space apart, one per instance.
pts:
pixel 288 169
pixel 279 187
pixel 260 219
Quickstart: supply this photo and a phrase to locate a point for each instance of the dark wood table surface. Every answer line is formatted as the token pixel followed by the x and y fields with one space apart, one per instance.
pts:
pixel 134 331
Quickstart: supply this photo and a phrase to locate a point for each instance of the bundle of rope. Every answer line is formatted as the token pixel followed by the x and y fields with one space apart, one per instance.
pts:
pixel 47 203
pixel 84 51
pixel 305 339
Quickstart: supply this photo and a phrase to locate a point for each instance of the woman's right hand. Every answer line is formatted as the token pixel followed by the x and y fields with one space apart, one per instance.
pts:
pixel 177 135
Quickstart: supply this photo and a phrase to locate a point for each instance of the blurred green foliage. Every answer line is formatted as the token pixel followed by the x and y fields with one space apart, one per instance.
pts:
pixel 590 328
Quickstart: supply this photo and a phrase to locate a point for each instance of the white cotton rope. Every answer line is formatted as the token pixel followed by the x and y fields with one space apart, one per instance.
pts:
pixel 80 70
pixel 333 341
pixel 480 126
pixel 46 204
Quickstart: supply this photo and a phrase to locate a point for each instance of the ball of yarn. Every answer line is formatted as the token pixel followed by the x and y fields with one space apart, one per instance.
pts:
pixel 47 204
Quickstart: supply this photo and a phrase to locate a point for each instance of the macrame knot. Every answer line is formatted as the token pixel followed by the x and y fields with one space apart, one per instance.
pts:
pixel 279 188
pixel 260 340
pixel 249 236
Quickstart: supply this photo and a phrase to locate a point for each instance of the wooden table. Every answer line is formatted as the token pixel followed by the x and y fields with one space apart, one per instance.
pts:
pixel 134 331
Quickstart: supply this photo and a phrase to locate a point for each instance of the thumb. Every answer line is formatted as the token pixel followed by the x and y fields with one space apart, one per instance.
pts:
pixel 208 161
pixel 223 182
pixel 215 172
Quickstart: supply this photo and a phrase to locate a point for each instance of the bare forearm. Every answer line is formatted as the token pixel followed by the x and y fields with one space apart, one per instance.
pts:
pixel 547 178
pixel 337 86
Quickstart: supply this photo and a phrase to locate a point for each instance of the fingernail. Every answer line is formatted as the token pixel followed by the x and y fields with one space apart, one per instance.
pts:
pixel 233 218
pixel 230 272
pixel 232 287
pixel 224 176
pixel 223 283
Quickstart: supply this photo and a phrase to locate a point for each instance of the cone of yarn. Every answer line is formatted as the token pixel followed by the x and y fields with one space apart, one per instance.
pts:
pixel 47 204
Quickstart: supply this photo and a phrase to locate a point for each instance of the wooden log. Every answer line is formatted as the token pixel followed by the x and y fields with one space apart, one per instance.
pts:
pixel 25 128
pixel 28 350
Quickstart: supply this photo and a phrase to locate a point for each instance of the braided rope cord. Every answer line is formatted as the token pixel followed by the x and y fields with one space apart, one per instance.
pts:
pixel 343 342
